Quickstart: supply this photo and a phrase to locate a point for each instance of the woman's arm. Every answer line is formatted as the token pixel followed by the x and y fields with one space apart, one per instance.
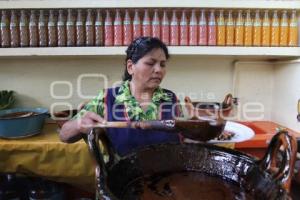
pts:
pixel 72 130
pixel 90 115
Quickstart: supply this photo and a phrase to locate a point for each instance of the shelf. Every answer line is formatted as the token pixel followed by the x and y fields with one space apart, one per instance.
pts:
pixel 232 4
pixel 247 52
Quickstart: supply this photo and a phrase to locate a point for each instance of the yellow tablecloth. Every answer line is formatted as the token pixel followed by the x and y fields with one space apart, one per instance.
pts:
pixel 45 155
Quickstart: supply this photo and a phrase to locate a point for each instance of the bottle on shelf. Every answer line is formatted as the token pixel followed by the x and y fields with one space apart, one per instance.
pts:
pixel 165 28
pixel 127 29
pixel 283 29
pixel 229 29
pixel 193 29
pixel 14 29
pixel 108 30
pixel 239 29
pixel 266 30
pixel 24 29
pixel 137 25
pixel 52 29
pixel 146 27
pixel 212 29
pixel 275 30
pixel 257 29
pixel 90 28
pixel 174 30
pixel 248 33
pixel 33 29
pixel 99 34
pixel 43 32
pixel 183 30
pixel 61 29
pixel 221 38
pixel 202 40
pixel 118 29
pixel 70 28
pixel 156 28
pixel 293 30
pixel 4 29
pixel 80 29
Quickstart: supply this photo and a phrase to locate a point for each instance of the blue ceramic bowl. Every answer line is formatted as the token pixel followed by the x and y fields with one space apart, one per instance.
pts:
pixel 22 122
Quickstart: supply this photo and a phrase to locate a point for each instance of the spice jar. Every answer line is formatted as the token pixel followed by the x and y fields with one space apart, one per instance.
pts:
pixel 61 29
pixel 99 37
pixel 24 29
pixel 80 32
pixel 90 28
pixel 52 30
pixel 14 29
pixel 43 38
pixel 4 28
pixel 70 27
pixel 33 29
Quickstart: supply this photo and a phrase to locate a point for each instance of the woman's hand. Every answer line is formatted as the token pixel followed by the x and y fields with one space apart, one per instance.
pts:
pixel 87 121
pixel 72 130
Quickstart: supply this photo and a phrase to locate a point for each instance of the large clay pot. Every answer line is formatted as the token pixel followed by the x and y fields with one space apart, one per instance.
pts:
pixel 198 109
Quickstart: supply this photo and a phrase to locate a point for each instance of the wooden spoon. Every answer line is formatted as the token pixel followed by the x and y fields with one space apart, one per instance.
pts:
pixel 201 130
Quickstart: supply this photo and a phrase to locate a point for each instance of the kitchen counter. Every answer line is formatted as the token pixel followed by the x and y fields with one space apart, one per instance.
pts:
pixel 45 155
pixel 264 131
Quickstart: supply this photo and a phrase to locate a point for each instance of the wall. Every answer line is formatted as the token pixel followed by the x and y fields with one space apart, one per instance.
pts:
pixel 267 91
pixel 286 93
pixel 31 78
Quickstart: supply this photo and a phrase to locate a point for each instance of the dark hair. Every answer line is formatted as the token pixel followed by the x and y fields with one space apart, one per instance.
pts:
pixel 139 48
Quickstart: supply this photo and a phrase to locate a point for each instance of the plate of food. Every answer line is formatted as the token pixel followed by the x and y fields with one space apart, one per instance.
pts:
pixel 233 132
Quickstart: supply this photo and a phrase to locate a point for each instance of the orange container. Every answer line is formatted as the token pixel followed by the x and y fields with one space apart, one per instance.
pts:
pixel 221 38
pixel 284 26
pixel 257 30
pixel 275 30
pixel 293 30
pixel 229 29
pixel 266 30
pixel 248 33
pixel 239 30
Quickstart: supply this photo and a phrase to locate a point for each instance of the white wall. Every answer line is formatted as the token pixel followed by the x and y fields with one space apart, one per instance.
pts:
pixel 286 93
pixel 274 86
pixel 31 78
pixel 253 85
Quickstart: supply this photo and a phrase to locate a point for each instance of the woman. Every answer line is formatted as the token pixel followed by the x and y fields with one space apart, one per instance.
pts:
pixel 138 98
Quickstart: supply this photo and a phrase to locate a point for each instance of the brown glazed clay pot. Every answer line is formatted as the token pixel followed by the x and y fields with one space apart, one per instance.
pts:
pixel 63 116
pixel 205 171
pixel 198 109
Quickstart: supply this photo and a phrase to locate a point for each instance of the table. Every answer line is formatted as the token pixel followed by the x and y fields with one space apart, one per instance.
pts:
pixel 45 155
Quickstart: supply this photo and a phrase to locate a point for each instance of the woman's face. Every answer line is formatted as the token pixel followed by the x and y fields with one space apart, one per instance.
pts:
pixel 150 70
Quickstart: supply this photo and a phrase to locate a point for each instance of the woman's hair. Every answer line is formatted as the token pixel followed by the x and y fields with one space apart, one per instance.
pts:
pixel 139 48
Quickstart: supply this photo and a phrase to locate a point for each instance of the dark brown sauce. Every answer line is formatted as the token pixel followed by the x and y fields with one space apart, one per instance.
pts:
pixel 184 186
pixel 18 115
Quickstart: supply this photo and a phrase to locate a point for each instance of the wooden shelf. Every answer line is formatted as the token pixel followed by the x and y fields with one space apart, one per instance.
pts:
pixel 232 4
pixel 258 52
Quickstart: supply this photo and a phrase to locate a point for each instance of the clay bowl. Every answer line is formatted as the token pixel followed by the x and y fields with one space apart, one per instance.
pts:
pixel 63 116
pixel 198 109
